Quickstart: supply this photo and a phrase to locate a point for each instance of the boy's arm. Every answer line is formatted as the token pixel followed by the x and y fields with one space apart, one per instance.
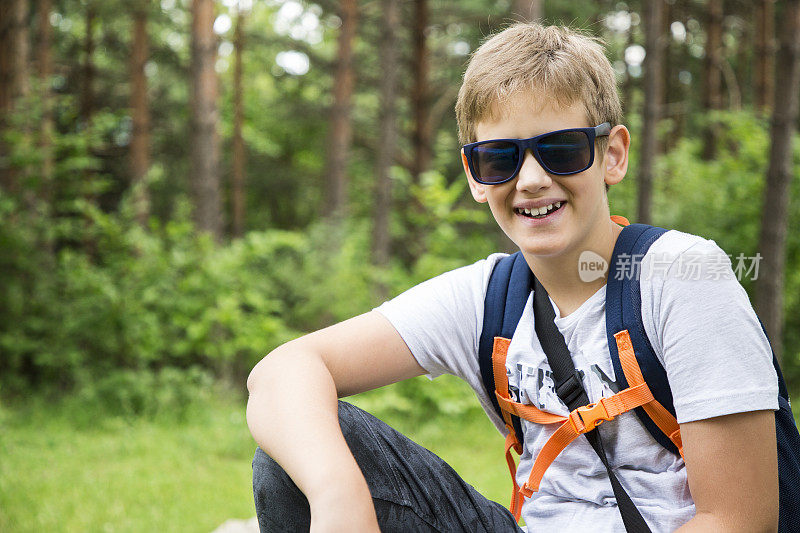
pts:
pixel 292 411
pixel 733 472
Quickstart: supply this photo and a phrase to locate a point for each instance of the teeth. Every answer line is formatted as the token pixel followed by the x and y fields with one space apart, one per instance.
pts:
pixel 541 210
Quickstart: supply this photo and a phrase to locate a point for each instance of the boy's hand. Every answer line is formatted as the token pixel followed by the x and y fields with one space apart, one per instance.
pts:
pixel 343 510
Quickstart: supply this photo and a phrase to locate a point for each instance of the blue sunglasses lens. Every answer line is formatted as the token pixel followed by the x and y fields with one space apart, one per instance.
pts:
pixel 565 153
pixel 495 162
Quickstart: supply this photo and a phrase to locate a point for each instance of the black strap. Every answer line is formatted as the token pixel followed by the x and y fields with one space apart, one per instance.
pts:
pixel 570 390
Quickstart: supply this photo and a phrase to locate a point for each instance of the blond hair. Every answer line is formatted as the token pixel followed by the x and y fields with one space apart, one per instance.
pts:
pixel 559 62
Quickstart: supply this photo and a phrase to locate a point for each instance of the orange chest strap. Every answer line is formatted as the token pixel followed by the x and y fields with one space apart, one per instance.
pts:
pixel 579 421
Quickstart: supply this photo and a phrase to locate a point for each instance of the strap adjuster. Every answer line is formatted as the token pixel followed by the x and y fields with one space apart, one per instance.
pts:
pixel 570 389
pixel 526 490
pixel 588 417
pixel 512 441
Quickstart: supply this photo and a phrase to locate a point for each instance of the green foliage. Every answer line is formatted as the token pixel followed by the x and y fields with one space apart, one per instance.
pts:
pixel 452 224
pixel 421 399
pixel 135 300
pixel 92 302
pixel 442 222
pixel 721 198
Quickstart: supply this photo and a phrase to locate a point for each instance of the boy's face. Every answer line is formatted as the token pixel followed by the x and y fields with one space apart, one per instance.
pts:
pixel 573 227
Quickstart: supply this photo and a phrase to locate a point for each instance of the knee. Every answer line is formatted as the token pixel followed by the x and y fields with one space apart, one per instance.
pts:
pixel 280 504
pixel 269 477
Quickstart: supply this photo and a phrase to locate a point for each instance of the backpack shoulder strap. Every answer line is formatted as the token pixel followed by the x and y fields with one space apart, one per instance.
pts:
pixel 624 311
pixel 506 296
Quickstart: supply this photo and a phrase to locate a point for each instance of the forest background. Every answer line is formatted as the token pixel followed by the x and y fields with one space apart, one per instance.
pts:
pixel 185 185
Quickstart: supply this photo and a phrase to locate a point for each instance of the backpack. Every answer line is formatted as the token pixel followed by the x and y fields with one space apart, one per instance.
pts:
pixel 638 372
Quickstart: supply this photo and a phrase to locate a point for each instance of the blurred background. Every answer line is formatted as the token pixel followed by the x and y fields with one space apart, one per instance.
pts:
pixel 185 185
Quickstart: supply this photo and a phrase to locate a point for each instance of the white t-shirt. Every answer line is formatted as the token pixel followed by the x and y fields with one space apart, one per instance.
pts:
pixel 702 328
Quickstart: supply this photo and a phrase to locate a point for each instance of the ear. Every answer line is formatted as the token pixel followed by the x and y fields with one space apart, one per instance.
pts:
pixel 616 157
pixel 478 190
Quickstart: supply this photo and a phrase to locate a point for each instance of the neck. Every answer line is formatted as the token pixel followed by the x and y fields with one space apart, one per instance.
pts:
pixel 560 275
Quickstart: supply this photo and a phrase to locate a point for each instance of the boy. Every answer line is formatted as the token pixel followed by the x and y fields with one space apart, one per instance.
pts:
pixel 353 473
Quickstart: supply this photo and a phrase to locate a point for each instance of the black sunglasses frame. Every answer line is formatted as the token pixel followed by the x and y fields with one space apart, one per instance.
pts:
pixel 523 145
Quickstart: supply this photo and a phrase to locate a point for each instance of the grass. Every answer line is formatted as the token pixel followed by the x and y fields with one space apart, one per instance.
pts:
pixel 122 475
pixel 63 468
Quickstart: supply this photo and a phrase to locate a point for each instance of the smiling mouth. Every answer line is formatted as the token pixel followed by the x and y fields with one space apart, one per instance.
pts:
pixel 541 212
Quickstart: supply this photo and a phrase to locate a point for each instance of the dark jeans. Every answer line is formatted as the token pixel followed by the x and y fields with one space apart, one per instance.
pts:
pixel 413 489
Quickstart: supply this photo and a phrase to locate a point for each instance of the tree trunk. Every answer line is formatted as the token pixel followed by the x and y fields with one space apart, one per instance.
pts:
pixel 528 10
pixel 653 13
pixel 764 49
pixel 237 185
pixel 388 137
pixel 668 76
pixel 420 95
pixel 340 133
pixel 681 13
pixel 140 139
pixel 45 63
pixel 6 61
pixel 712 87
pixel 20 78
pixel 5 58
pixel 87 90
pixel 15 77
pixel 205 181
pixel 85 114
pixel 743 55
pixel 731 85
pixel 421 154
pixel 627 86
pixel 774 219
pixel 712 67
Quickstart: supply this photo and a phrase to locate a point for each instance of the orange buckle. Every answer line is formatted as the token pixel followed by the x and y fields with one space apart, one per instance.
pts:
pixel 589 416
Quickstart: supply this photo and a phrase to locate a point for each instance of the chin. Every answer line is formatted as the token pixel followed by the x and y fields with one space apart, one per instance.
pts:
pixel 542 247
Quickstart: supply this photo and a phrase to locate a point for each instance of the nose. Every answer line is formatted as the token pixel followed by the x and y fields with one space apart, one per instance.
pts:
pixel 532 177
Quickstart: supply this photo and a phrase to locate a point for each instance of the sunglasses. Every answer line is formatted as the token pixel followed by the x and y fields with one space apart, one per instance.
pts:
pixel 561 152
